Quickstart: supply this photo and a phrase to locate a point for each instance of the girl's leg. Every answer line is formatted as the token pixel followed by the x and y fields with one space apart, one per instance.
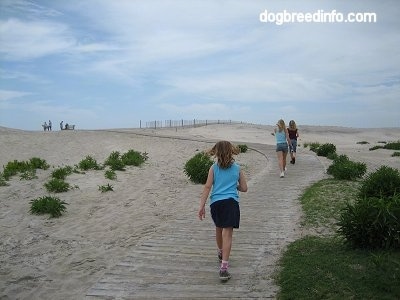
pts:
pixel 218 237
pixel 226 242
pixel 280 160
pixel 284 155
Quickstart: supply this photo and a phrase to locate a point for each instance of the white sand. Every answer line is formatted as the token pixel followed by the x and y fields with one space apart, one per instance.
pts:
pixel 62 258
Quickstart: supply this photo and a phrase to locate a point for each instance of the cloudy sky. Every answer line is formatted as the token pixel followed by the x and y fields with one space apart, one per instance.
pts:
pixel 112 64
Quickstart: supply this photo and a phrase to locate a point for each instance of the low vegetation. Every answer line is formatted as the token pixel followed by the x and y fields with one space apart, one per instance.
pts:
pixel 15 167
pixel 106 188
pixel 89 163
pixel 62 172
pixel 197 167
pixel 48 205
pixel 344 169
pixel 243 148
pixel 55 185
pixel 354 251
pixel 387 145
pixel 110 174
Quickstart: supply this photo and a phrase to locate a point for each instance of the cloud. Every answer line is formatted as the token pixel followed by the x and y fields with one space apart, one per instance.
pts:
pixel 6 95
pixel 22 40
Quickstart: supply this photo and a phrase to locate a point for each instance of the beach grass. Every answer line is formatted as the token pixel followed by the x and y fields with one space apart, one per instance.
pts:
pixel 322 266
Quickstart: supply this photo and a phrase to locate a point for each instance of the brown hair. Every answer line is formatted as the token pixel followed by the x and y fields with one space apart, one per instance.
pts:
pixel 224 151
pixel 292 125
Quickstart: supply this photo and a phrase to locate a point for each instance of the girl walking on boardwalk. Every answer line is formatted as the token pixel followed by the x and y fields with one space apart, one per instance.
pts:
pixel 293 135
pixel 225 178
pixel 282 142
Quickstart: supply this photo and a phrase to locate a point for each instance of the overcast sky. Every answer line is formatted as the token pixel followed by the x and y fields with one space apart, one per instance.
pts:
pixel 110 64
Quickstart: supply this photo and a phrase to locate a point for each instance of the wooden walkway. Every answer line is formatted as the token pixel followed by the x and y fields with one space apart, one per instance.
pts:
pixel 181 262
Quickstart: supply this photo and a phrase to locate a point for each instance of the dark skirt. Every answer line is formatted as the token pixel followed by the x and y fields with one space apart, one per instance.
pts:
pixel 226 213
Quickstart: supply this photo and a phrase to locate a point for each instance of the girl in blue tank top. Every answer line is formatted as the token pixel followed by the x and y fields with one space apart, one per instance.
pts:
pixel 224 181
pixel 282 142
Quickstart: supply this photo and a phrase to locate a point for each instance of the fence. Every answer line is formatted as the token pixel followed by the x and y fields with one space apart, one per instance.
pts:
pixel 184 123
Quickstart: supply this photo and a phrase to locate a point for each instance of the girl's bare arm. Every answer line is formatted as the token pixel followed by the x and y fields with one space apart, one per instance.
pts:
pixel 242 187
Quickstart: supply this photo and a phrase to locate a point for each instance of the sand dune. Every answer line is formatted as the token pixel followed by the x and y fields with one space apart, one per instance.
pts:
pixel 61 258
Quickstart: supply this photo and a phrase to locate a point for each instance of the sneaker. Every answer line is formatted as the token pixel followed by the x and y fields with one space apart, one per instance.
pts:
pixel 282 174
pixel 224 275
pixel 220 256
pixel 294 160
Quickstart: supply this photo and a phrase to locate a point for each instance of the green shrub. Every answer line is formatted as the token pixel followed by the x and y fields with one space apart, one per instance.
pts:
pixel 38 163
pixel 48 205
pixel 110 174
pixel 133 158
pixel 106 188
pixel 384 182
pixel 114 161
pixel 344 169
pixel 395 154
pixel 375 148
pixel 197 167
pixel 372 223
pixel 332 156
pixel 61 173
pixel 392 145
pixel 57 186
pixel 14 167
pixel 89 163
pixel 243 148
pixel 326 149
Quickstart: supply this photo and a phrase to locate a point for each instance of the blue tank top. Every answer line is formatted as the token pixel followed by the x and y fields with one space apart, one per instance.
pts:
pixel 225 183
pixel 280 137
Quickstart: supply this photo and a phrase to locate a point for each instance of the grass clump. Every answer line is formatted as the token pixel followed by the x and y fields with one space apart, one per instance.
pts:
pixel 38 163
pixel 243 148
pixel 197 167
pixel 26 167
pixel 110 174
pixel 114 161
pixel 344 169
pixel 89 163
pixel 362 143
pixel 134 158
pixel 106 188
pixel 62 173
pixel 395 154
pixel 57 186
pixel 326 150
pixel 48 205
pixel 392 145
pixel 373 221
pixel 375 148
pixel 384 182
